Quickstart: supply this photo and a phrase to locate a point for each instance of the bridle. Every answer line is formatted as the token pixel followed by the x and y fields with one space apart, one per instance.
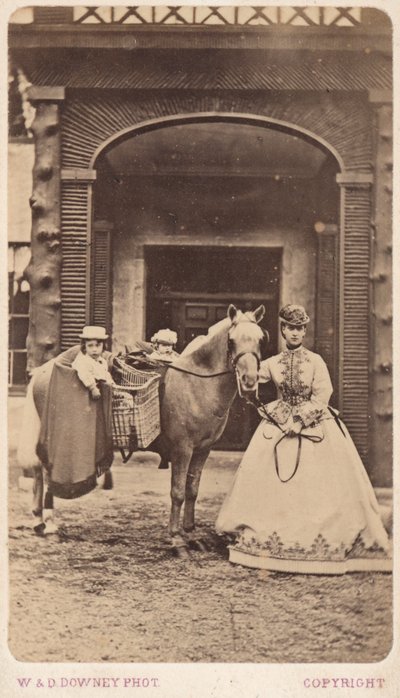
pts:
pixel 238 383
pixel 234 361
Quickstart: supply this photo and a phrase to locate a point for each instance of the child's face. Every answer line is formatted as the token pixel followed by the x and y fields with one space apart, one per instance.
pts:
pixel 94 348
pixel 164 348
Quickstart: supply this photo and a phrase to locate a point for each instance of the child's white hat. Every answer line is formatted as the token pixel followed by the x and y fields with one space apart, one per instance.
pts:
pixel 93 332
pixel 165 337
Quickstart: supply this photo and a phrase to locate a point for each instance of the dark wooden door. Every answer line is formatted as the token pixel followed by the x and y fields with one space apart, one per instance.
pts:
pixel 192 318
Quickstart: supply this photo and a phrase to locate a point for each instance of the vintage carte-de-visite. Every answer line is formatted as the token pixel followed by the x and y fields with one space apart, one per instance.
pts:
pixel 200 383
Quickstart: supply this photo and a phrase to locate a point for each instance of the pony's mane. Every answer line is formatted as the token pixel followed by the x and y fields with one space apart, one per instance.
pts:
pixel 202 339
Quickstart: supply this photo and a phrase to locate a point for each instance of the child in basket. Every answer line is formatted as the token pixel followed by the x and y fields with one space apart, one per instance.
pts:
pixel 163 343
pixel 89 363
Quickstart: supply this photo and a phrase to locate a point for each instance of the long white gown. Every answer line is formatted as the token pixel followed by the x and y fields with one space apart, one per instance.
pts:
pixel 303 504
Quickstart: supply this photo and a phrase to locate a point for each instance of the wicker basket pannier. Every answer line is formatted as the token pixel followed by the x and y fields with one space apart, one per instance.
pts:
pixel 135 407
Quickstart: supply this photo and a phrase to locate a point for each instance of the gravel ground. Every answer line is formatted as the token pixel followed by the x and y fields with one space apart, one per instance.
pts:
pixel 108 589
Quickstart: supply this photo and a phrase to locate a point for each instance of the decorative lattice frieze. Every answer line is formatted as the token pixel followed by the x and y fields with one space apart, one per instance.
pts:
pixel 202 15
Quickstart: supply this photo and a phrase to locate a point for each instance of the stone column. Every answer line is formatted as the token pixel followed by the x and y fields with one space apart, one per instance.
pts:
pixel 354 304
pixel 43 270
pixel 381 406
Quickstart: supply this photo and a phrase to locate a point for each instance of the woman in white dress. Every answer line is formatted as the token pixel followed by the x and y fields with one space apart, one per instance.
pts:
pixel 301 500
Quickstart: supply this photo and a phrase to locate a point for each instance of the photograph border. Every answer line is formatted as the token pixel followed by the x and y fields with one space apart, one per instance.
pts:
pixel 203 680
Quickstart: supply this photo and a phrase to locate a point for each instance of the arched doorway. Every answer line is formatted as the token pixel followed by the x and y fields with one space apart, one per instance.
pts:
pixel 192 213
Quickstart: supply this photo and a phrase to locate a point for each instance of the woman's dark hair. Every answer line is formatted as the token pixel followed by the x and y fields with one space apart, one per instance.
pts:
pixel 285 324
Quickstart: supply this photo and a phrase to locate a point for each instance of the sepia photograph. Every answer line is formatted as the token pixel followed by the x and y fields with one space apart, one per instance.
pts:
pixel 200 361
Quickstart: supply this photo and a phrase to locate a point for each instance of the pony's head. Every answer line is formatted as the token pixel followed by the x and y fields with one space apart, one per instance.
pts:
pixel 245 344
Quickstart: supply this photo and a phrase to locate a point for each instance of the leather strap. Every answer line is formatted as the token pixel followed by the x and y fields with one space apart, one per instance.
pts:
pixel 310 437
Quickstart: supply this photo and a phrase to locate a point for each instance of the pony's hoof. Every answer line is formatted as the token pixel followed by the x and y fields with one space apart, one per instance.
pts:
pixel 108 481
pixel 181 552
pixel 179 548
pixel 199 545
pixel 39 528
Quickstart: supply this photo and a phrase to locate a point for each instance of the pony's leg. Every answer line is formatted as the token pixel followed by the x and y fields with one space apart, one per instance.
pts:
pixel 105 481
pixel 180 465
pixel 108 480
pixel 37 503
pixel 48 510
pixel 192 487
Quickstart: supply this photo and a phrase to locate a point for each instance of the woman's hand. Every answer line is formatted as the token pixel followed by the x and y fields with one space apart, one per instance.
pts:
pixel 292 428
pixel 287 428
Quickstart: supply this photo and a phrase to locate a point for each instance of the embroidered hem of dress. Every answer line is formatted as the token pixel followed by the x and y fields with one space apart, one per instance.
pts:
pixel 309 566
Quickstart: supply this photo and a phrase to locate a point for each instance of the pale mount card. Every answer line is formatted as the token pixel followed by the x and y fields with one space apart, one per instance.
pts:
pixel 177 175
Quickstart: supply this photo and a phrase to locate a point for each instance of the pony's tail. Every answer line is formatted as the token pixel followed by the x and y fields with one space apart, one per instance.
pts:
pixel 30 429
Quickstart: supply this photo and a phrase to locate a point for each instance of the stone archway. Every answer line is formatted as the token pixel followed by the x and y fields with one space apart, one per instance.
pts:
pixel 341 123
pixel 326 239
pixel 212 117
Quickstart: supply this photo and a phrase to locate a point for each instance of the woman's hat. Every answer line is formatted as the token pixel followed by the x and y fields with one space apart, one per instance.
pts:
pixel 93 332
pixel 165 337
pixel 294 315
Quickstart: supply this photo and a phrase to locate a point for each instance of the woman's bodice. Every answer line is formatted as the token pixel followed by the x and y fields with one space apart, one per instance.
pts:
pixel 292 375
pixel 303 384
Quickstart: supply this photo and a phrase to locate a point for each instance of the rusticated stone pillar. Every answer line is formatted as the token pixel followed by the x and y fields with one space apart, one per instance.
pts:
pixel 43 270
pixel 381 402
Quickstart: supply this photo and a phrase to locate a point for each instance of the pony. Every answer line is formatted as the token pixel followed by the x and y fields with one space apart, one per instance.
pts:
pixel 199 388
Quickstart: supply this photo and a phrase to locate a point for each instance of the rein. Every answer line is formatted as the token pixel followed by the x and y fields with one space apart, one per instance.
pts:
pixel 314 438
pixel 199 375
pixel 309 437
pixel 234 361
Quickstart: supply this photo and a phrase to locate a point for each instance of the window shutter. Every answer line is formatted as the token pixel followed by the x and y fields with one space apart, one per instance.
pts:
pixel 74 262
pixel 101 291
pixel 326 310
